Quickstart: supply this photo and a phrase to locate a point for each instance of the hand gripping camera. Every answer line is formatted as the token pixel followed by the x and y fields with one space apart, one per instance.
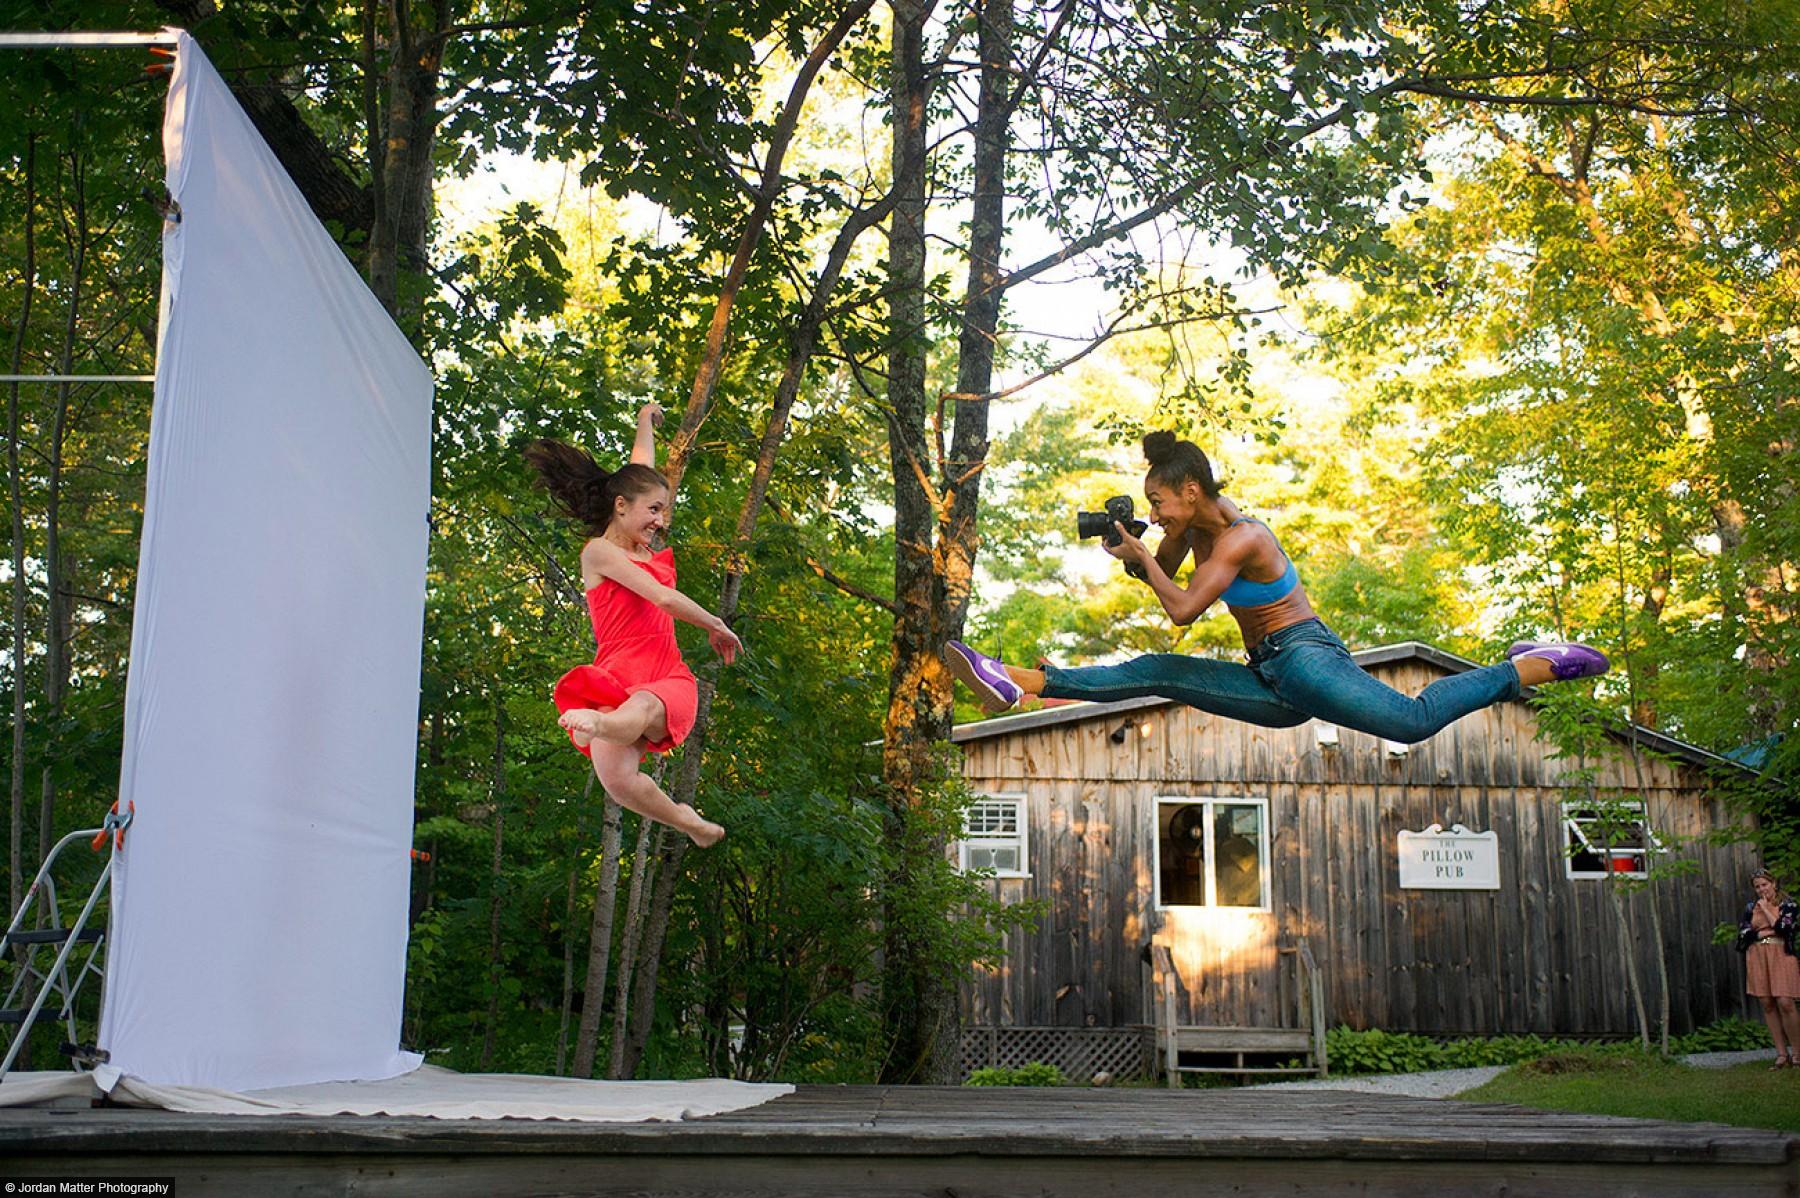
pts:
pixel 1100 524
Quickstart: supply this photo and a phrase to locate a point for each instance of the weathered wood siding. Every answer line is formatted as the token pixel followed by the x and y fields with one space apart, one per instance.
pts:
pixel 1541 954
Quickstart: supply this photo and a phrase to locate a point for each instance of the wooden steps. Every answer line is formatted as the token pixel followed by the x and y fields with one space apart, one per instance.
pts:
pixel 1198 1048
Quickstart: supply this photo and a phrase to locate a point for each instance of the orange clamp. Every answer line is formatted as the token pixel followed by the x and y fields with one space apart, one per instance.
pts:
pixel 116 825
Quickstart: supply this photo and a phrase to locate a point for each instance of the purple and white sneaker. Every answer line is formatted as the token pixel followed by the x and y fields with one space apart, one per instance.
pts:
pixel 1567 659
pixel 984 675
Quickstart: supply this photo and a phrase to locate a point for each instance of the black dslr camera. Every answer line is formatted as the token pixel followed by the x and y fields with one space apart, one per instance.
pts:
pixel 1100 524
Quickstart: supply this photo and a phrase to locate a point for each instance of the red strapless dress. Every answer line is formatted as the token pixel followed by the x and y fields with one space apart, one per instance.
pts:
pixel 635 651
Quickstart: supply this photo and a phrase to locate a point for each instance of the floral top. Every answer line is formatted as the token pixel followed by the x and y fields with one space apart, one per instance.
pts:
pixel 1788 916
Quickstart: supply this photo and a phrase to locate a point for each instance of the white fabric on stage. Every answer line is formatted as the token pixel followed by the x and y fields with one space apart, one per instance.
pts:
pixel 429 1091
pixel 260 906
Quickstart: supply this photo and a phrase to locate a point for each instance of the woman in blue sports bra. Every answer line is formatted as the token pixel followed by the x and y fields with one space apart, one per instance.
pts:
pixel 1297 669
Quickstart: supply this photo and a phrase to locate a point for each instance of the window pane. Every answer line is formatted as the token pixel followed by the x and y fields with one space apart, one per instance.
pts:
pixel 993 818
pixel 1583 860
pixel 1006 859
pixel 980 858
pixel 1237 855
pixel 1611 842
pixel 1181 854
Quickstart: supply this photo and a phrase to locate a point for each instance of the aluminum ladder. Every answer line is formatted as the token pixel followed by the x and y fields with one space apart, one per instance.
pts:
pixel 39 984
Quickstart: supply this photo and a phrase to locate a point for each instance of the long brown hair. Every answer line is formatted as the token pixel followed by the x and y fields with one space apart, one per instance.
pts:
pixel 581 488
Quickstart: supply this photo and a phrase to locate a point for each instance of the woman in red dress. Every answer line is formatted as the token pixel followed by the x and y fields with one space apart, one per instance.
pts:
pixel 639 695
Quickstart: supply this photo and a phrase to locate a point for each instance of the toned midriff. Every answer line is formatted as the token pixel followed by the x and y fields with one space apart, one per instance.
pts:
pixel 1258 622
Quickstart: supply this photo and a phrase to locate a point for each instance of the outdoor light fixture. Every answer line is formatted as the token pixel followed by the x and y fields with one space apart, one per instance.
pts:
pixel 1395 748
pixel 1144 729
pixel 1326 735
pixel 1117 735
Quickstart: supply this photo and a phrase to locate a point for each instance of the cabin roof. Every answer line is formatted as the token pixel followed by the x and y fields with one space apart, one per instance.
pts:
pixel 1074 713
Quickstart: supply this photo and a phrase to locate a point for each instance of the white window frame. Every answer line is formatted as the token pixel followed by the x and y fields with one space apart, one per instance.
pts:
pixel 1571 823
pixel 1021 815
pixel 1209 801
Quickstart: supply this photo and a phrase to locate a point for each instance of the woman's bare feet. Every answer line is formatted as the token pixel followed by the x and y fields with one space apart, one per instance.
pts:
pixel 585 725
pixel 702 831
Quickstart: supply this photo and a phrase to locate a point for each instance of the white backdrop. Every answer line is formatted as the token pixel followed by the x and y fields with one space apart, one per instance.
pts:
pixel 260 909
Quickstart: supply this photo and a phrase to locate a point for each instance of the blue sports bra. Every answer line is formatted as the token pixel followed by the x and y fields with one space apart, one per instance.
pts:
pixel 1244 593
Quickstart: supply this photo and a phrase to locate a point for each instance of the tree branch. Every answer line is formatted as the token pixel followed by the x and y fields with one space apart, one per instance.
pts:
pixel 850 588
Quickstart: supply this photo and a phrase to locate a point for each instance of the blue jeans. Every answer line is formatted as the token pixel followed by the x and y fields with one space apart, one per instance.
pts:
pixel 1300 673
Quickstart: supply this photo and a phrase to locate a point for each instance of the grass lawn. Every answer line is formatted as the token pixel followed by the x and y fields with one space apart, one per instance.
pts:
pixel 1621 1084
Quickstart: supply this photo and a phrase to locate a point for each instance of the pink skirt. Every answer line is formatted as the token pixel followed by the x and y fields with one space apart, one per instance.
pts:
pixel 1771 971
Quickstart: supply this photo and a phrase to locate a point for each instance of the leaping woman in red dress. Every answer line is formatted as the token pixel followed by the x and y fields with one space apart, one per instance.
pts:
pixel 639 695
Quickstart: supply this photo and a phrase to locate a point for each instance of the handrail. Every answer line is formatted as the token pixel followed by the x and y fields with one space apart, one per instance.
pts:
pixel 49 859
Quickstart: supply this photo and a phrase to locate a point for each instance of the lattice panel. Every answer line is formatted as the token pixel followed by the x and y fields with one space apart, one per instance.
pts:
pixel 1080 1052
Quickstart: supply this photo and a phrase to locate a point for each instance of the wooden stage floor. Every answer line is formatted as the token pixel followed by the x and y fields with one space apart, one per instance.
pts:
pixel 961 1142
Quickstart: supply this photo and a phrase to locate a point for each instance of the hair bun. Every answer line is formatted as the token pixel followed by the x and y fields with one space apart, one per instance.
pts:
pixel 1159 446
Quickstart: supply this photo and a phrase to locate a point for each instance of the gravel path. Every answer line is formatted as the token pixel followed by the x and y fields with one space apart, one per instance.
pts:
pixel 1447 1083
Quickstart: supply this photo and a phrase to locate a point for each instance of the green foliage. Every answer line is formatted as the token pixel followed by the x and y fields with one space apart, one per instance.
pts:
pixel 1376 1051
pixel 1731 1034
pixel 1033 1073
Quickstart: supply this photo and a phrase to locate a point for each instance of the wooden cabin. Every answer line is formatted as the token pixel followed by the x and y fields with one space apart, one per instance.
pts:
pixel 1146 825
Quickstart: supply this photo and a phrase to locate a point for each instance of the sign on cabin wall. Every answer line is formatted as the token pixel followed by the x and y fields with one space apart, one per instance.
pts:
pixel 1455 860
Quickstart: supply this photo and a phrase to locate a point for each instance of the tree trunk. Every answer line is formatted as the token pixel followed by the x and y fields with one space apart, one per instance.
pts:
pixel 632 1021
pixel 382 281
pixel 568 986
pixel 1628 947
pixel 56 621
pixel 622 1062
pixel 918 1006
pixel 600 937
pixel 490 1036
pixel 980 320
pixel 397 238
pixel 1662 971
pixel 15 494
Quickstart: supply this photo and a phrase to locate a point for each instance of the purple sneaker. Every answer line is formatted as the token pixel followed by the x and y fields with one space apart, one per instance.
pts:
pixel 1567 659
pixel 993 688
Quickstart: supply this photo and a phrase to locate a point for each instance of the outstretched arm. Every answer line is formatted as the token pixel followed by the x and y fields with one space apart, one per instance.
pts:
pixel 643 449
pixel 602 559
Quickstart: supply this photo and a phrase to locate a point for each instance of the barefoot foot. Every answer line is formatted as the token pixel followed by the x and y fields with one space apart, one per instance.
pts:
pixel 584 724
pixel 703 832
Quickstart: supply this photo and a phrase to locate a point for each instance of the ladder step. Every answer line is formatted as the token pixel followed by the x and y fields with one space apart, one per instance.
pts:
pixel 13 1014
pixel 84 1054
pixel 53 936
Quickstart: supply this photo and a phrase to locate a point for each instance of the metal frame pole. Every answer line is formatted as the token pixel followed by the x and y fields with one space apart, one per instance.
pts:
pixel 53 41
